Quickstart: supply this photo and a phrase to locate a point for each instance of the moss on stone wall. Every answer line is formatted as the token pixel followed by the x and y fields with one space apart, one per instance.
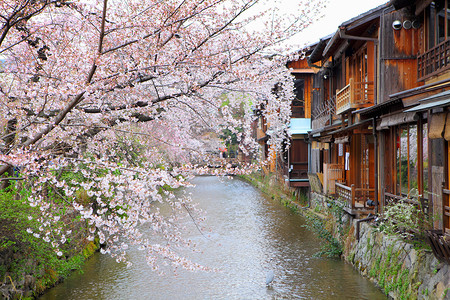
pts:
pixel 391 275
pixel 401 270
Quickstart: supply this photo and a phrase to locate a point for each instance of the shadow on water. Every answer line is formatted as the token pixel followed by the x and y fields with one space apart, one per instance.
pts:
pixel 247 235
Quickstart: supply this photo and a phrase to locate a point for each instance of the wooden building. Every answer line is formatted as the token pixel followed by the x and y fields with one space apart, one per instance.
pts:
pixel 343 144
pixel 292 166
pixel 380 121
pixel 296 163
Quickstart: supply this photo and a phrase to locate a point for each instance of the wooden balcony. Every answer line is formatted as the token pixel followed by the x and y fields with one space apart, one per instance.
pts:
pixel 354 95
pixel 434 61
pixel 355 199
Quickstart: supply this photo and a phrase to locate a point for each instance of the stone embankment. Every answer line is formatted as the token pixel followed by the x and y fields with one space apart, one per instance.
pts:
pixel 402 270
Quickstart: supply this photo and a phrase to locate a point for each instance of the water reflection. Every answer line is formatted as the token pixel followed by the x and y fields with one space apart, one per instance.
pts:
pixel 248 234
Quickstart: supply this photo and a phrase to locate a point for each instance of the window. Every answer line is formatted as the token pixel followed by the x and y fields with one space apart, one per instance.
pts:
pixel 366 159
pixel 438 19
pixel 298 104
pixel 402 160
pixel 412 168
pixel 407 158
pixel 358 65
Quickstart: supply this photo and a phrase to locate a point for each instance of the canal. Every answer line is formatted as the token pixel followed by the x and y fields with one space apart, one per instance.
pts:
pixel 246 235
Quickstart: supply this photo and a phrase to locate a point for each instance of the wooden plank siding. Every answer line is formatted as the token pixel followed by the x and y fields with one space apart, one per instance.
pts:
pixel 391 64
pixel 405 70
pixel 399 49
pixel 298 64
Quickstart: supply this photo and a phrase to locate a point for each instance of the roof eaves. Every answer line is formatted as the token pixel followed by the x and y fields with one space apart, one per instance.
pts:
pixel 366 16
pixel 331 42
pixel 353 23
pixel 398 4
pixel 379 108
pixel 316 54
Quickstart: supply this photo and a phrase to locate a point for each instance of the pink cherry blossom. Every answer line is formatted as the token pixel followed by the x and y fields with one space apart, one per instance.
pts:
pixel 82 83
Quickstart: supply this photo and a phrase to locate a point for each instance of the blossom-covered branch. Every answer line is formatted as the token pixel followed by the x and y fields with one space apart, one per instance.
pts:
pixel 132 95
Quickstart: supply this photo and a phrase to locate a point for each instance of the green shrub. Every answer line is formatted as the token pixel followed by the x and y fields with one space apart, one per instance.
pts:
pixel 21 239
pixel 330 247
pixel 405 219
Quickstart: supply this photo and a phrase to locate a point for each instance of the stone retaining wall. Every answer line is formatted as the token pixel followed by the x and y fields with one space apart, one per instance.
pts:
pixel 401 270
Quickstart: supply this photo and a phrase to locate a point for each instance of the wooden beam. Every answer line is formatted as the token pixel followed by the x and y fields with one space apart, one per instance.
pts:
pixel 421 6
pixel 303 71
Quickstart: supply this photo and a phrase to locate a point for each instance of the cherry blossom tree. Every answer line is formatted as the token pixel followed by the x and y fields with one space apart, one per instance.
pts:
pixel 83 82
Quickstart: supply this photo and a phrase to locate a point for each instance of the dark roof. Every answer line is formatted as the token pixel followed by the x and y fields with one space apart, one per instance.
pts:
pixel 398 4
pixel 442 84
pixel 438 100
pixel 316 54
pixel 351 127
pixel 325 129
pixel 334 42
pixel 309 49
pixel 382 108
pixel 355 26
pixel 366 17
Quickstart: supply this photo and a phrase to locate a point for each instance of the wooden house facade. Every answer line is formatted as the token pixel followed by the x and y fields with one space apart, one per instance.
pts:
pixel 344 149
pixel 293 163
pixel 296 160
pixel 381 116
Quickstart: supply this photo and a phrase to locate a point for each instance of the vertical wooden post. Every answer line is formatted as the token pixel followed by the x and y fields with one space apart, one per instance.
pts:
pixel 408 154
pixel 353 196
pixel 351 92
pixel 337 102
pixel 445 223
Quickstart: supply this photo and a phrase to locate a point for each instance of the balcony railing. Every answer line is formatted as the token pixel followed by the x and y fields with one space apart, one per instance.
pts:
pixel 354 95
pixel 355 198
pixel 434 61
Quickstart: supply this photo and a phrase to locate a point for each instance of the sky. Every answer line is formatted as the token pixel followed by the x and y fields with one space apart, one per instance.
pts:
pixel 336 12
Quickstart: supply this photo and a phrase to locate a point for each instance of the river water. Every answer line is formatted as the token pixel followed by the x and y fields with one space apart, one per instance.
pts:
pixel 247 235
